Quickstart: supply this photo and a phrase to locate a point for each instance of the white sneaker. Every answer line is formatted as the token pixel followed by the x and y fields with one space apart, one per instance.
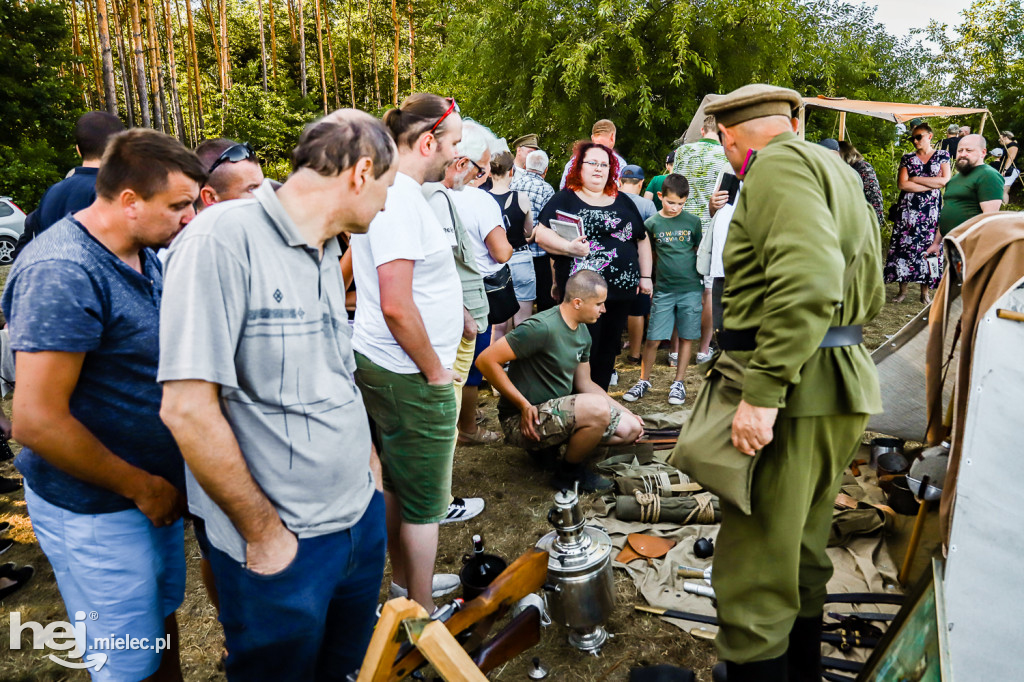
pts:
pixel 463 509
pixel 614 381
pixel 704 357
pixel 442 584
pixel 677 393
pixel 673 359
pixel 638 391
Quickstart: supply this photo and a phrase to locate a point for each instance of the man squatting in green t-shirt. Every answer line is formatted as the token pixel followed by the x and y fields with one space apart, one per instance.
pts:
pixel 976 188
pixel 547 396
pixel 678 286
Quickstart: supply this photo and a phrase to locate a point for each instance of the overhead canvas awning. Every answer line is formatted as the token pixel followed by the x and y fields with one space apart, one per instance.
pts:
pixel 896 112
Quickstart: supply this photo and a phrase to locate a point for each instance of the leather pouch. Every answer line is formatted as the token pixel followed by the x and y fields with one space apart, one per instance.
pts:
pixel 640 546
pixel 705 451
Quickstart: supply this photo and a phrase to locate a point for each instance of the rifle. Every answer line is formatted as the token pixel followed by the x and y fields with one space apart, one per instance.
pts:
pixel 526 575
pixel 520 634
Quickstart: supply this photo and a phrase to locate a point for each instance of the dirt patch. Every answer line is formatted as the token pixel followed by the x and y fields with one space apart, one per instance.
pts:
pixel 518 498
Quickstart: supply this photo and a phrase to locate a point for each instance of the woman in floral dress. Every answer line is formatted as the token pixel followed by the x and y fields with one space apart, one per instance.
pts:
pixel 922 174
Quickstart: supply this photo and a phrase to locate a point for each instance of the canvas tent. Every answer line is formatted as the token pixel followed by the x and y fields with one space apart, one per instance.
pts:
pixel 895 112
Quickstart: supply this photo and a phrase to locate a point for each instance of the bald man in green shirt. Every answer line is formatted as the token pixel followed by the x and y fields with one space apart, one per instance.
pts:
pixel 803 273
pixel 976 188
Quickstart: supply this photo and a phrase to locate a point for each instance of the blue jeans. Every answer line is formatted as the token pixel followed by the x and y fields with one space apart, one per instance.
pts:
pixel 313 620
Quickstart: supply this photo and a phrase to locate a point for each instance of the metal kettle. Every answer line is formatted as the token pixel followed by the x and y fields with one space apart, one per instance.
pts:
pixel 579 573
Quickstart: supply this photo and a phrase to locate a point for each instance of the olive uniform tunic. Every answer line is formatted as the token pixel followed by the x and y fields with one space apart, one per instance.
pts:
pixel 803 255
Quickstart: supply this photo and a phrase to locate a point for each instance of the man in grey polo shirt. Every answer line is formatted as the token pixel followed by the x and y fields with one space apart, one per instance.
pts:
pixel 257 368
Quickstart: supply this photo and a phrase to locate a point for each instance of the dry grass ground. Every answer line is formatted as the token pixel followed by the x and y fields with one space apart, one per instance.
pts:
pixel 518 498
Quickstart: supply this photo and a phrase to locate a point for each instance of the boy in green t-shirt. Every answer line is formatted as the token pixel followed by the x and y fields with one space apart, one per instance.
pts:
pixel 678 287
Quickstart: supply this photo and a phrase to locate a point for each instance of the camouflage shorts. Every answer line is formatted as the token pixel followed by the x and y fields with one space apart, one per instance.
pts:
pixel 557 419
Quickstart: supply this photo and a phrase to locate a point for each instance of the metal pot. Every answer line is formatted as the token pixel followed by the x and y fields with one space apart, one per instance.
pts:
pixel 579 574
pixel 882 446
pixel 901 499
pixel 891 463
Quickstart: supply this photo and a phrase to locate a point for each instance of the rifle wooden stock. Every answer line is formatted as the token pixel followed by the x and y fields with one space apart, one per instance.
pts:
pixel 520 634
pixel 526 575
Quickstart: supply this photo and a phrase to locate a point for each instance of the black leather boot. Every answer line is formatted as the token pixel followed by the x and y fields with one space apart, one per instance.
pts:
pixel 772 670
pixel 804 653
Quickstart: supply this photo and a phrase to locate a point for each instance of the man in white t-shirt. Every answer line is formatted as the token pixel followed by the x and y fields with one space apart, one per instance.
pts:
pixel 407 329
pixel 483 226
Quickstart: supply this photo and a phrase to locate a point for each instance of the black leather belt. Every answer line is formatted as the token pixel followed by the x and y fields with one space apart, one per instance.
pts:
pixel 746 339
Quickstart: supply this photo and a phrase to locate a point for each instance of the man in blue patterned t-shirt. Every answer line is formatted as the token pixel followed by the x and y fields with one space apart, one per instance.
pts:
pixel 104 479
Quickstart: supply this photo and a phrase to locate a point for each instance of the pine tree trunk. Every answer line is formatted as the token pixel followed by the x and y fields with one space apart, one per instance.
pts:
pixel 348 35
pixel 195 69
pixel 90 27
pixel 330 55
pixel 76 50
pixel 320 52
pixel 273 41
pixel 193 130
pixel 140 64
pixel 412 49
pixel 263 44
pixel 123 61
pixel 301 29
pixel 394 58
pixel 291 19
pixel 225 59
pixel 155 75
pixel 172 67
pixel 109 90
pixel 214 37
pixel 373 49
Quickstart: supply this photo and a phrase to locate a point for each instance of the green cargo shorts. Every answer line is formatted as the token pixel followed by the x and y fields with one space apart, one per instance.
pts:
pixel 557 419
pixel 416 425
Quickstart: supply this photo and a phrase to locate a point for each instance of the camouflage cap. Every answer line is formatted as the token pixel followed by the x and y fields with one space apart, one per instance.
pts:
pixel 754 101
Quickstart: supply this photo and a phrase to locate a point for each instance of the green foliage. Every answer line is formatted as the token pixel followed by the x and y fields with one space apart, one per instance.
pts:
pixel 555 66
pixel 266 120
pixel 40 102
pixel 982 65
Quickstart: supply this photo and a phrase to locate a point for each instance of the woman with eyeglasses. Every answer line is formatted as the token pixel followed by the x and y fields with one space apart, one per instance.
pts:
pixel 614 244
pixel 923 173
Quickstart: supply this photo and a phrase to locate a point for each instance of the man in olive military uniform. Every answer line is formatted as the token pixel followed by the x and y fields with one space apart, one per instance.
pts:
pixel 803 273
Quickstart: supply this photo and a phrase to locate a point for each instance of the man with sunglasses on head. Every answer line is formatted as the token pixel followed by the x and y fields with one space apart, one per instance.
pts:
pixel 234 170
pixel 408 324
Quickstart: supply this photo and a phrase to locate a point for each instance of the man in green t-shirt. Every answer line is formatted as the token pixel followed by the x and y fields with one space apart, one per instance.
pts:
pixel 678 287
pixel 547 396
pixel 977 188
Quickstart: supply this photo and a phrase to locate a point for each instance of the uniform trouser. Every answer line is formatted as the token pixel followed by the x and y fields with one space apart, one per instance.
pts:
pixel 771 566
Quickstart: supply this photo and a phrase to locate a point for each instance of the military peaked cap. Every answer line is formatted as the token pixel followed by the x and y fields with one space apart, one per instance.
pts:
pixel 754 101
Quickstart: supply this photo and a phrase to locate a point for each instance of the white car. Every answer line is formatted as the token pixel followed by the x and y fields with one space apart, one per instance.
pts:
pixel 12 224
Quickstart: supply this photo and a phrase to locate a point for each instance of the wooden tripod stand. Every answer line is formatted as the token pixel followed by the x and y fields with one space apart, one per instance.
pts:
pixel 387 660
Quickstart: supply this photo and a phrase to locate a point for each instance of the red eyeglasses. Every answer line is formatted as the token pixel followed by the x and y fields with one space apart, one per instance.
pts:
pixel 451 107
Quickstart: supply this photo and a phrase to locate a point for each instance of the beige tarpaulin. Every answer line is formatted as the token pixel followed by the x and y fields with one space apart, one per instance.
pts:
pixel 897 112
pixel 863 564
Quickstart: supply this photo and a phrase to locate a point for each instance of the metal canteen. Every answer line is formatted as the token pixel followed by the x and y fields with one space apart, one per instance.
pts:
pixel 580 582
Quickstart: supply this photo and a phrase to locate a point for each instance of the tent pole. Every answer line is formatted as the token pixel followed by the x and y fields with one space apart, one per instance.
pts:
pixel 842 126
pixel 802 116
pixel 981 128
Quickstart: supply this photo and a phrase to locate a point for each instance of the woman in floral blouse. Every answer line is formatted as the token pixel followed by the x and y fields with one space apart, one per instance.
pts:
pixel 922 174
pixel 614 244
